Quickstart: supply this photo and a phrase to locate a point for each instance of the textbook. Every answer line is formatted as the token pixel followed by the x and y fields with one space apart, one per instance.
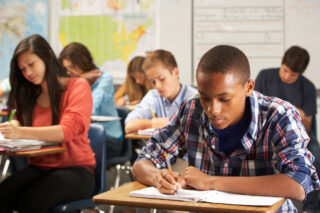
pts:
pixel 211 196
pixel 146 131
pixel 22 144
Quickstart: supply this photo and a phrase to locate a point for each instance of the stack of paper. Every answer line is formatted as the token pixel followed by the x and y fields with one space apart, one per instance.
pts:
pixel 146 131
pixel 23 144
pixel 211 196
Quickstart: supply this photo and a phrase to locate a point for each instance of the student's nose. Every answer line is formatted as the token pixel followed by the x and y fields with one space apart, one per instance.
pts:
pixel 157 84
pixel 286 77
pixel 214 108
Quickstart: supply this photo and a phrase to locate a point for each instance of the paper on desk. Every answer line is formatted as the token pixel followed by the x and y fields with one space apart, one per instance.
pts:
pixel 146 131
pixel 211 196
pixel 96 118
pixel 22 144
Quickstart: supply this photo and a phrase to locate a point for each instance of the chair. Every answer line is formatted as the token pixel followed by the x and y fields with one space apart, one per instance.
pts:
pixel 98 144
pixel 123 160
pixel 314 125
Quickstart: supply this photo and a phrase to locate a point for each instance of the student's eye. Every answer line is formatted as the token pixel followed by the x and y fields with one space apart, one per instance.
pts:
pixel 162 79
pixel 225 99
pixel 31 64
pixel 204 99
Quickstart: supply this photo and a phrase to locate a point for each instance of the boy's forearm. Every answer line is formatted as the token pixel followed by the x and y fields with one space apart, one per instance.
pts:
pixel 271 185
pixel 145 172
pixel 135 125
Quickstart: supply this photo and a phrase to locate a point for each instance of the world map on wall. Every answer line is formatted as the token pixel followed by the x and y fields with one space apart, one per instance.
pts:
pixel 19 19
pixel 113 30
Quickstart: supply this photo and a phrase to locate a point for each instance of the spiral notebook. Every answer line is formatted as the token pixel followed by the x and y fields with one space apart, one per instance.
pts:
pixel 211 196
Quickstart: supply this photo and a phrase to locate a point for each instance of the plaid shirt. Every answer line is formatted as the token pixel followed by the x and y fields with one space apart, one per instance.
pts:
pixel 275 143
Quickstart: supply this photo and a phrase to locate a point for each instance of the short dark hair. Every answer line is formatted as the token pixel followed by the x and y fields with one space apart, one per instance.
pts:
pixel 79 56
pixel 296 58
pixel 225 59
pixel 162 57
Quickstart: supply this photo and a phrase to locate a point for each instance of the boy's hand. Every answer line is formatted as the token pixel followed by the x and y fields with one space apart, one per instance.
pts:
pixel 165 183
pixel 159 122
pixel 194 178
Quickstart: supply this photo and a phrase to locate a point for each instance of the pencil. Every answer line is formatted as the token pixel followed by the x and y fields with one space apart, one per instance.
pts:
pixel 168 164
pixel 153 115
pixel 13 112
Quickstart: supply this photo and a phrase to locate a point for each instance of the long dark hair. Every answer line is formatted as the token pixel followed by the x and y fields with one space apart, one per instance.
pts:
pixel 24 94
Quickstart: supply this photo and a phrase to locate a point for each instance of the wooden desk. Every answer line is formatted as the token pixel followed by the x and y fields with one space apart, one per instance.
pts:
pixel 120 196
pixel 135 136
pixel 35 152
pixel 3 113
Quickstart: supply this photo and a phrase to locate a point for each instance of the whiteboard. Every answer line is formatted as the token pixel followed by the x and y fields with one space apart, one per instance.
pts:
pixel 263 30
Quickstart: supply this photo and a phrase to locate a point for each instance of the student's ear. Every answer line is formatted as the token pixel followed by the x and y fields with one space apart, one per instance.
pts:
pixel 175 71
pixel 249 87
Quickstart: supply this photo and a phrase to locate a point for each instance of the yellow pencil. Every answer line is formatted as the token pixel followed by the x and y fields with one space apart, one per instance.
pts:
pixel 153 115
pixel 168 164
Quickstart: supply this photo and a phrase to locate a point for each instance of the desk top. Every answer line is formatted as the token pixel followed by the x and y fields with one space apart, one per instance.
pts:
pixel 35 152
pixel 3 113
pixel 135 136
pixel 120 196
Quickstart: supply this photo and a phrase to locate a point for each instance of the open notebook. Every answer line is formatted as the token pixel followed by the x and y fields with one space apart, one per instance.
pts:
pixel 211 196
pixel 22 144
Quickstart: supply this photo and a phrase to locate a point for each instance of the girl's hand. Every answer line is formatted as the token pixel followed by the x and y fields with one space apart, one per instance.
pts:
pixel 10 130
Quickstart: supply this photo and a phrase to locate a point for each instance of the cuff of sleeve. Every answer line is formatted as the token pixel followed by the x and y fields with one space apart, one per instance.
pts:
pixel 304 180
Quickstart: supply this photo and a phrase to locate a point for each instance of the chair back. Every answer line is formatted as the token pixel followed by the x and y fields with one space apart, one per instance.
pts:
pixel 126 151
pixel 98 145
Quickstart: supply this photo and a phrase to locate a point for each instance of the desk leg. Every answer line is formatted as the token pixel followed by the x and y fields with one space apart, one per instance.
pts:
pixel 142 210
pixel 6 167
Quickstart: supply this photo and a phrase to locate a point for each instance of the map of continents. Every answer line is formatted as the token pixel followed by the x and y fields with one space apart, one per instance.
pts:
pixel 114 30
pixel 19 19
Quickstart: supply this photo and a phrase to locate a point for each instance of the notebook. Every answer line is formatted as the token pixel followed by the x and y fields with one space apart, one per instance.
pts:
pixel 22 144
pixel 99 118
pixel 146 131
pixel 211 196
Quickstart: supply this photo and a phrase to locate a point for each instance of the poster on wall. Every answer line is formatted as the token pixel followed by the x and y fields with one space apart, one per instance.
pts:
pixel 19 19
pixel 114 31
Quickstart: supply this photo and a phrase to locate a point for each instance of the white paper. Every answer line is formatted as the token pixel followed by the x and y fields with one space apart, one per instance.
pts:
pixel 22 144
pixel 95 118
pixel 211 196
pixel 146 131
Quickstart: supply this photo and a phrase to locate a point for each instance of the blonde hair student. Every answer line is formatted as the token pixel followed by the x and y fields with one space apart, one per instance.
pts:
pixel 53 107
pixel 136 84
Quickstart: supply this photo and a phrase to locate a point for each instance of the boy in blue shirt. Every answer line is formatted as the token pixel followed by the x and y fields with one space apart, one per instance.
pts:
pixel 227 131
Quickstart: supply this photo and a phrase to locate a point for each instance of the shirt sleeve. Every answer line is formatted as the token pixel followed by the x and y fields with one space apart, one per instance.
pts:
pixel 142 111
pixel 169 139
pixel 76 110
pixel 103 90
pixel 292 157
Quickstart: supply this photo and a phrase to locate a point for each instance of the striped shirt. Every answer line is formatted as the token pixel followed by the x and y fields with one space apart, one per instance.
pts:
pixel 274 143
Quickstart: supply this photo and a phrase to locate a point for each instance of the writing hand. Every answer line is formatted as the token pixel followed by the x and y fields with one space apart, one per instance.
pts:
pixel 165 183
pixel 10 129
pixel 159 122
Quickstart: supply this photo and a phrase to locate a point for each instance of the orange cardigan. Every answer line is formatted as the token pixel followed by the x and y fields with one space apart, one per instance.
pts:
pixel 75 113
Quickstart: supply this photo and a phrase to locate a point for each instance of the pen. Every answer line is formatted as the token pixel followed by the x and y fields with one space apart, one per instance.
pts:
pixel 168 164
pixel 13 112
pixel 153 115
